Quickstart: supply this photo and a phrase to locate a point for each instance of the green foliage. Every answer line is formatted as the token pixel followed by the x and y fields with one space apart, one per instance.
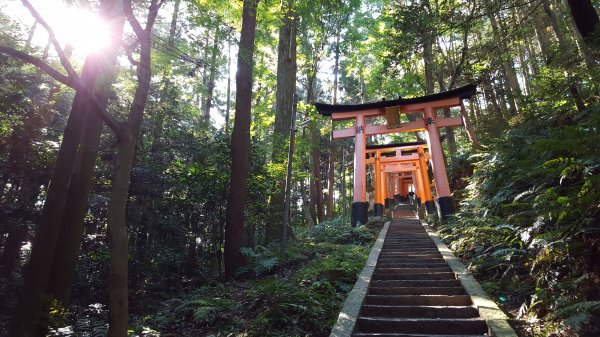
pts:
pixel 339 231
pixel 338 266
pixel 261 259
pixel 204 306
pixel 529 219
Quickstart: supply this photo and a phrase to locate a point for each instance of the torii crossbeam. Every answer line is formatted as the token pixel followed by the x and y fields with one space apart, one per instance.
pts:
pixel 429 122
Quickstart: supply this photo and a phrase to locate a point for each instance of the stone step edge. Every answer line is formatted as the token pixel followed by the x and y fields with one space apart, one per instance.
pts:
pixel 348 317
pixel 495 318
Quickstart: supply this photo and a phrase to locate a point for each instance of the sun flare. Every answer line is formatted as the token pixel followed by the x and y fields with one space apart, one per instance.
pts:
pixel 78 27
pixel 81 29
pixel 84 31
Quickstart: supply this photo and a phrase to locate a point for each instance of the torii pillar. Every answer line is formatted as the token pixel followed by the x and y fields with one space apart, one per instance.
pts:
pixel 360 207
pixel 379 193
pixel 429 204
pixel 444 196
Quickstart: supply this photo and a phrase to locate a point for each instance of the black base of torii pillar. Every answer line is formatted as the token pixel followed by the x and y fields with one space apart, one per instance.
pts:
pixel 430 207
pixel 445 207
pixel 378 210
pixel 360 213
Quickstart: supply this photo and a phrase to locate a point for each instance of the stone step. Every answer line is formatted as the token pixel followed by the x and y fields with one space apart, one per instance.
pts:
pixel 383 264
pixel 417 291
pixel 407 248
pixel 423 326
pixel 428 300
pixel 407 260
pixel 419 311
pixel 422 241
pixel 404 271
pixel 428 243
pixel 410 250
pixel 391 334
pixel 416 283
pixel 425 276
pixel 412 255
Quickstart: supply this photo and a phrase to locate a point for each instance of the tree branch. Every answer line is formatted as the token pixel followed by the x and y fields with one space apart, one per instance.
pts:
pixel 39 63
pixel 114 124
pixel 64 60
pixel 133 21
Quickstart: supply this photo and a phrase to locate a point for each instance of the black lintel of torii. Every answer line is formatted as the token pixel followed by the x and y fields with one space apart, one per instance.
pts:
pixel 463 92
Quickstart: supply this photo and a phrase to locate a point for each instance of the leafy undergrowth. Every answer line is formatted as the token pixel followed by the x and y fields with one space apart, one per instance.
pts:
pixel 529 224
pixel 297 295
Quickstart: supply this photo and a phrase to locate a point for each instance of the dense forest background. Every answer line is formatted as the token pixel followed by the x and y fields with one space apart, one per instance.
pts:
pixel 142 184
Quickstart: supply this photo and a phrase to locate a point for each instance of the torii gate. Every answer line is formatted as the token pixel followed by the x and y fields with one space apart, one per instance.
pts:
pixel 403 156
pixel 429 122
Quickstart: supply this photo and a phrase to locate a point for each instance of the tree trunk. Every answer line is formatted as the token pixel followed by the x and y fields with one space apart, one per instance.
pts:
pixel 336 68
pixel 10 253
pixel 331 180
pixel 306 206
pixel 118 317
pixel 511 87
pixel 429 64
pixel 240 143
pixel 563 43
pixel 29 315
pixel 540 25
pixel 211 77
pixel 71 230
pixel 585 17
pixel 284 100
pixel 315 162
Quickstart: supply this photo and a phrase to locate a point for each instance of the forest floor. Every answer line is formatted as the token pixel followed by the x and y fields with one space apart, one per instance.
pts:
pixel 298 295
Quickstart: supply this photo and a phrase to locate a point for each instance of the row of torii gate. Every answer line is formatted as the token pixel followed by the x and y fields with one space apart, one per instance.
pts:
pixel 399 169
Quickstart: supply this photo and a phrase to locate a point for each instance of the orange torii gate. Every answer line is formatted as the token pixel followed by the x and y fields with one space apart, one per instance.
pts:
pixel 396 158
pixel 429 121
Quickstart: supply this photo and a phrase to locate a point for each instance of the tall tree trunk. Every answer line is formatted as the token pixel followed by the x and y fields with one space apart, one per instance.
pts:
pixel 332 151
pixel 210 88
pixel 65 257
pixel 429 64
pixel 228 104
pixel 585 17
pixel 284 101
pixel 540 25
pixel 511 87
pixel 316 187
pixel 29 318
pixel 563 43
pixel 12 247
pixel 363 90
pixel 315 162
pixel 240 143
pixel 331 180
pixel 306 206
pixel 336 68
pixel 118 318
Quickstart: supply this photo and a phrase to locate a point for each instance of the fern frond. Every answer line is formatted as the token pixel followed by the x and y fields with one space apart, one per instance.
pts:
pixel 586 307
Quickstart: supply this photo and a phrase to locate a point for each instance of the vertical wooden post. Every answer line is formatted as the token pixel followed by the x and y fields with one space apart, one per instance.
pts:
pixel 360 206
pixel 419 185
pixel 397 186
pixel 444 197
pixel 378 206
pixel 427 198
pixel 388 202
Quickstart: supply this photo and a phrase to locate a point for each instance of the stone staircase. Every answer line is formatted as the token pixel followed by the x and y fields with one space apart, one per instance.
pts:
pixel 413 292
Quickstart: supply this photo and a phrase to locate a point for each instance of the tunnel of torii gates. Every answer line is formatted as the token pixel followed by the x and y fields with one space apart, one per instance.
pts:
pixel 407 167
